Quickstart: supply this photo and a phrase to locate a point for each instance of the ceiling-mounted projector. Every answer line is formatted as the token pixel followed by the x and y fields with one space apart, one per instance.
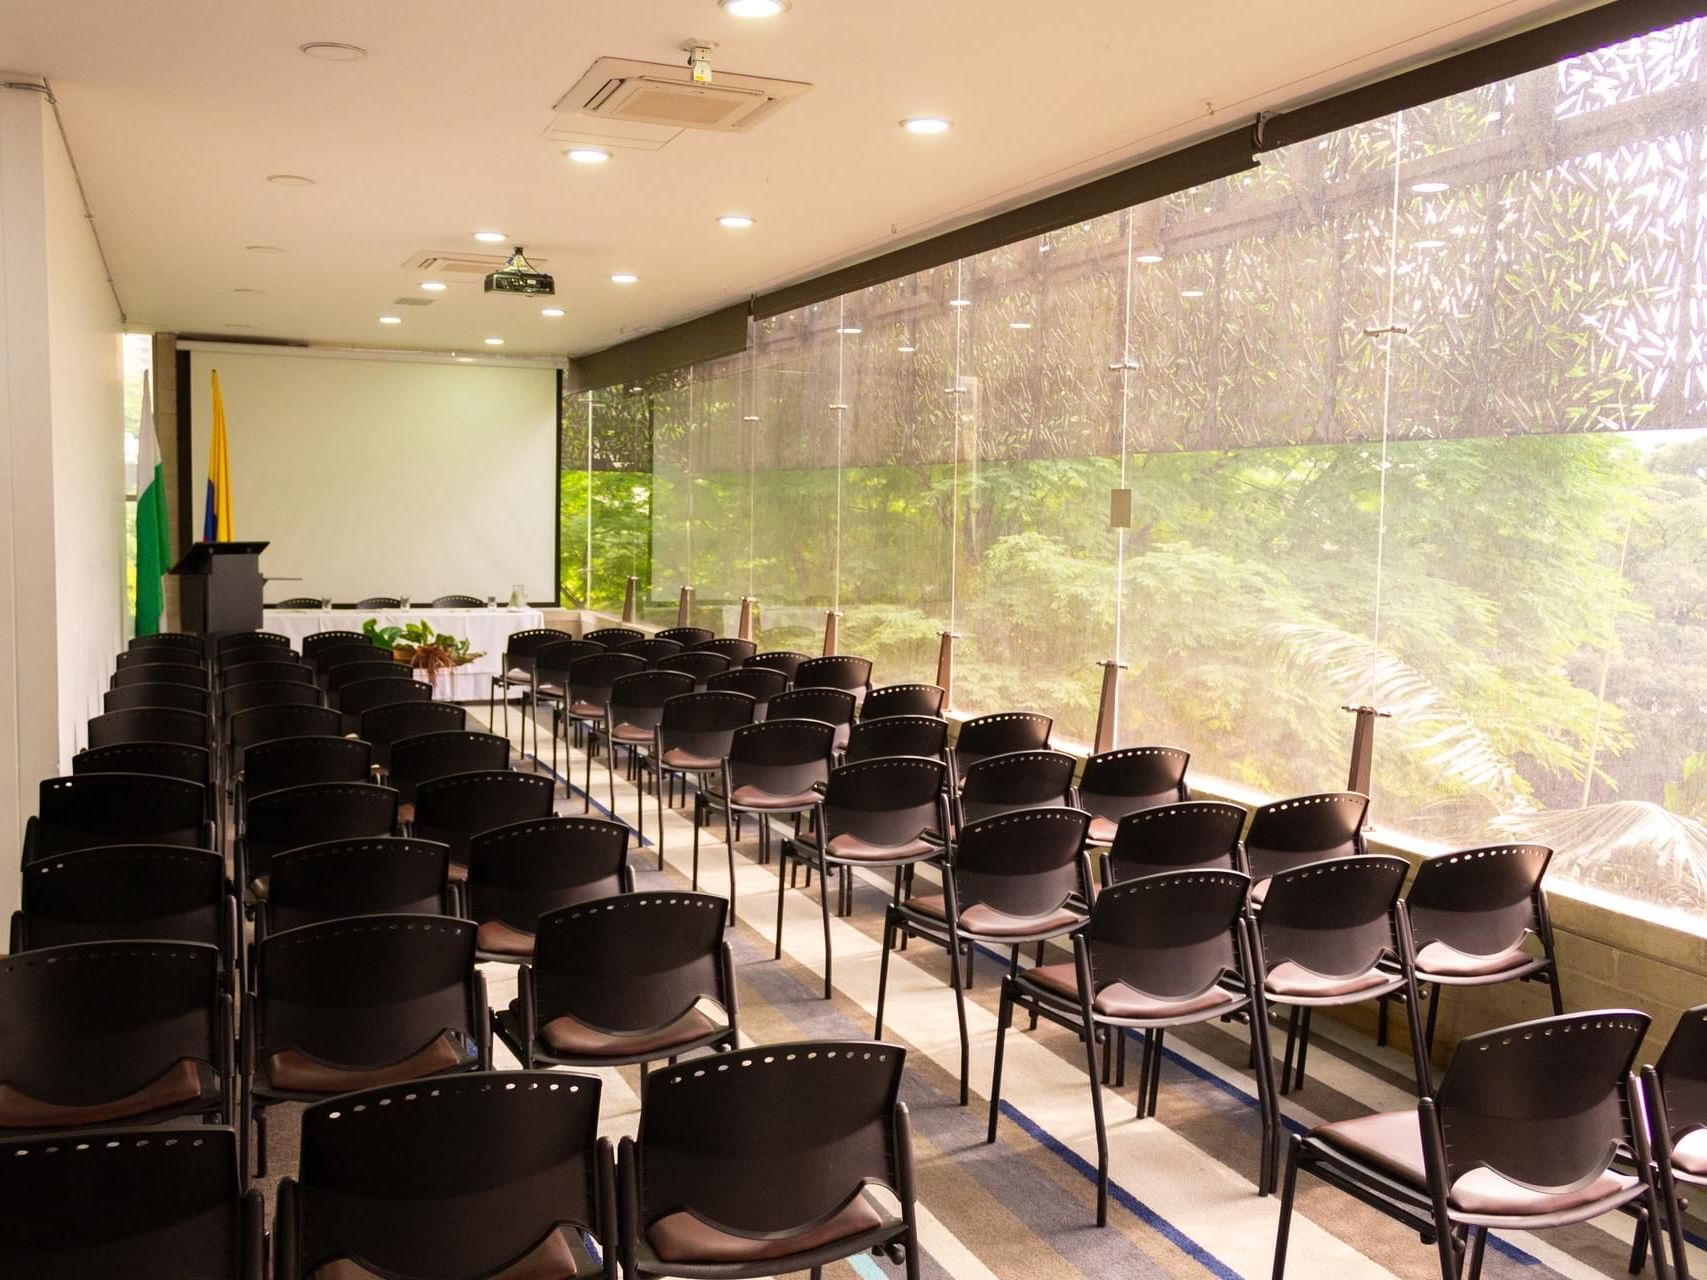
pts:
pixel 518 276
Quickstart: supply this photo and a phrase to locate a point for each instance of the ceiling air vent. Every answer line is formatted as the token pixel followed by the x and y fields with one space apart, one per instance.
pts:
pixel 657 93
pixel 457 264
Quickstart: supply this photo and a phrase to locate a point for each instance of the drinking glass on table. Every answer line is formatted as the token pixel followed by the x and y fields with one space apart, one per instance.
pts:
pixel 491 602
pixel 325 602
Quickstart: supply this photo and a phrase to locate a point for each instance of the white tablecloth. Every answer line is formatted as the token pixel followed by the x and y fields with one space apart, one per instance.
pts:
pixel 486 630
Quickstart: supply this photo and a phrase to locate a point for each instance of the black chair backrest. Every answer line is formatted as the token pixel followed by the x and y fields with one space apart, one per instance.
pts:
pixel 1194 835
pixel 902 700
pixel 832 706
pixel 1023 864
pixel 688 637
pixel 737 651
pixel 355 700
pixel 167 759
pixel 886 801
pixel 157 1203
pixel 521 647
pixel 313 646
pixel 835 671
pixel 1541 1103
pixel 183 696
pixel 897 736
pixel 278 720
pixel 345 651
pixel 231 659
pixel 1016 780
pixel 379 875
pixel 1172 936
pixel 700 726
pixel 591 678
pixel 1334 918
pixel 473 1173
pixel 297 602
pixel 160 673
pixel 454 601
pixel 551 662
pixel 154 657
pixel 427 756
pixel 697 663
pixel 455 809
pixel 270 669
pixel 251 640
pixel 97 1022
pixel 782 757
pixel 152 891
pixel 380 602
pixel 1305 829
pixel 761 684
pixel 170 641
pixel 97 809
pixel 781 1140
pixel 366 990
pixel 637 700
pixel 313 814
pixel 631 963
pixel 296 762
pixel 1682 1071
pixel 998 734
pixel 268 693
pixel 611 637
pixel 786 661
pixel 347 673
pixel 651 651
pixel 1116 783
pixel 517 873
pixel 1479 901
pixel 390 722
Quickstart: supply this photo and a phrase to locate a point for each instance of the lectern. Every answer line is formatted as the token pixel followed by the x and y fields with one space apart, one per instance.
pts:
pixel 219 587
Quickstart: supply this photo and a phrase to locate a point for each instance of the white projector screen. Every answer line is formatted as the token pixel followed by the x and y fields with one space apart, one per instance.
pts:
pixel 384 477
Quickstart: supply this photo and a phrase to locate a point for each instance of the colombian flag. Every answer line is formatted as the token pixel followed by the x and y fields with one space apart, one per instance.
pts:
pixel 216 522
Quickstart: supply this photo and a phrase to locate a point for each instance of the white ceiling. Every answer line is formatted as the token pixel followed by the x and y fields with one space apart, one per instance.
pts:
pixel 178 110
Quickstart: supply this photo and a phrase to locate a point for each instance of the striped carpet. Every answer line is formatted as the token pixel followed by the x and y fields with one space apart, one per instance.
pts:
pixel 1183 1202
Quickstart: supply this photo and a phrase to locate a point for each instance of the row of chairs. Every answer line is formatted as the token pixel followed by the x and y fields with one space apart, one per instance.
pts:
pixel 455 601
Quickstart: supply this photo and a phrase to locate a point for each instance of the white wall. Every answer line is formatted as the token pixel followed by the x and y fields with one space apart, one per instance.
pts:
pixel 384 477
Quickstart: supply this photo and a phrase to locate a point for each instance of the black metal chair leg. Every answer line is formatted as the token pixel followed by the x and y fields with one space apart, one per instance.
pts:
pixel 883 969
pixel 1003 1016
pixel 1287 1195
pixel 960 1017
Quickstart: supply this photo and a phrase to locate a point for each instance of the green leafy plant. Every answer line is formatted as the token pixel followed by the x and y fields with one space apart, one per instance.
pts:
pixel 421 646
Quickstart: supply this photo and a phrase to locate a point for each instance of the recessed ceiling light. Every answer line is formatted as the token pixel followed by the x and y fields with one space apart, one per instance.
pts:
pixel 263 248
pixel 587 155
pixel 753 8
pixel 333 51
pixel 624 277
pixel 465 359
pixel 1429 188
pixel 960 302
pixel 735 221
pixel 1191 293
pixel 433 286
pixel 1020 324
pixel 1148 259
pixel 750 417
pixel 850 329
pixel 906 349
pixel 289 180
pixel 1429 244
pixel 490 237
pixel 391 319
pixel 494 342
pixel 551 312
pixel 926 124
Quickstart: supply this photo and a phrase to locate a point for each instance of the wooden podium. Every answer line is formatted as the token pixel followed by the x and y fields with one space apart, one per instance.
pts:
pixel 219 587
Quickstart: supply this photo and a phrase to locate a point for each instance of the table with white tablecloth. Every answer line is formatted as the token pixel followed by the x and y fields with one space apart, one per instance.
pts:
pixel 486 630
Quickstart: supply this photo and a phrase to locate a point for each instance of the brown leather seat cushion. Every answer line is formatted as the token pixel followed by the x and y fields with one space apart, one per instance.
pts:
pixel 1117 1000
pixel 183 1082
pixel 572 1036
pixel 681 1237
pixel 1449 962
pixel 292 1071
pixel 587 710
pixel 1391 1142
pixel 1689 1154
pixel 854 849
pixel 550 1259
pixel 1288 979
pixel 751 797
pixel 498 939
pixel 676 758
pixel 1101 831
pixel 990 923
pixel 626 732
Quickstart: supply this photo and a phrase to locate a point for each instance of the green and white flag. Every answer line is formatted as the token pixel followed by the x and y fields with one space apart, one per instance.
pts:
pixel 153 544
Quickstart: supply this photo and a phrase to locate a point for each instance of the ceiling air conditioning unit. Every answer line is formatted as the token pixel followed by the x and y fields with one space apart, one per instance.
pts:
pixel 656 93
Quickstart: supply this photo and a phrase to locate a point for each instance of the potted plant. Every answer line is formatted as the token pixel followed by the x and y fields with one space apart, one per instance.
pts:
pixel 418 645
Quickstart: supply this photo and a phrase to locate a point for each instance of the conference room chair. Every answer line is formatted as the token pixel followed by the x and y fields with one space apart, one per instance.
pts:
pixel 611 637
pixel 696 663
pixel 1457 1165
pixel 170 1203
pixel 771 771
pixel 501 1174
pixel 518 873
pixel 995 735
pixel 167 759
pixel 736 650
pixel 427 756
pixel 316 644
pixel 761 684
pixel 268 721
pixel 879 815
pixel 96 809
pixel 651 650
pixel 1016 780
pixel 625 980
pixel 688 637
pixel 296 762
pixel 126 1031
pixel 589 684
pixel 869 739
pixel 633 712
pixel 1304 829
pixel 454 810
pixel 149 724
pixel 298 602
pixel 835 707
pixel 1191 835
pixel 693 735
pixel 1674 1094
pixel 770 1165
pixel 520 650
pixel 184 697
pixel 360 1003
pixel 1011 881
pixel 390 722
pixel 251 640
pixel 231 659
pixel 902 700
pixel 345 650
pixel 458 602
pixel 551 663
pixel 835 671
pixel 311 814
pixel 786 661
pixel 371 876
pixel 268 693
pixel 1328 937
pixel 1116 783
pixel 277 669
pixel 348 673
pixel 157 892
pixel 1160 953
pixel 159 657
pixel 355 700
pixel 159 673
pixel 172 641
pixel 380 602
